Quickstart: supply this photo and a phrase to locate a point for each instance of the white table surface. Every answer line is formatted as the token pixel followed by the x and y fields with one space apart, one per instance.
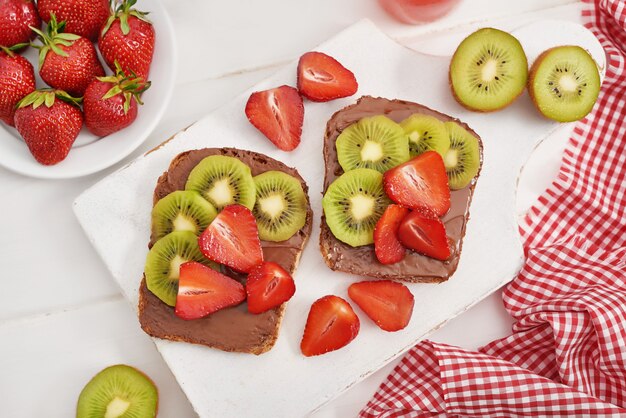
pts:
pixel 62 318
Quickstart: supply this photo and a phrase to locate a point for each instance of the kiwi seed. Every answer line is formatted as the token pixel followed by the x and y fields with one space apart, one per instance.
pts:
pixel 223 181
pixel 117 392
pixel 182 210
pixel 462 160
pixel 164 260
pixel 376 142
pixel 353 203
pixel 280 207
pixel 425 133
pixel 564 83
pixel 488 70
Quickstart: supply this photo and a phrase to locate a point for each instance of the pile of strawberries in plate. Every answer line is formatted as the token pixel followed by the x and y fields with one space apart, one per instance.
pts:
pixel 50 119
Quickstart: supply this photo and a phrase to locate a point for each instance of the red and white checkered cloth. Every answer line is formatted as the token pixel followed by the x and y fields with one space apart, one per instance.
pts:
pixel 567 354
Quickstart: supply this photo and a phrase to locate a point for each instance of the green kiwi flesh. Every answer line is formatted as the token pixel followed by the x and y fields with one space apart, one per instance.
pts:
pixel 375 142
pixel 564 83
pixel 118 391
pixel 353 203
pixel 425 133
pixel 488 70
pixel 462 160
pixel 164 260
pixel 182 210
pixel 223 181
pixel 280 207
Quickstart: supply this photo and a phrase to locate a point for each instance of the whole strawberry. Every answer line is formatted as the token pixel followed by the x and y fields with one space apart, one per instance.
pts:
pixel 49 121
pixel 17 79
pixel 16 17
pixel 110 103
pixel 67 61
pixel 83 17
pixel 128 38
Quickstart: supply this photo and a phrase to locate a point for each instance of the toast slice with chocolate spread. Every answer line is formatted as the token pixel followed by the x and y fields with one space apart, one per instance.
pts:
pixel 231 329
pixel 362 260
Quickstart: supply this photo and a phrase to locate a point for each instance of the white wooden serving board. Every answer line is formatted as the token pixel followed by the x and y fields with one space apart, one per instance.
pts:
pixel 115 214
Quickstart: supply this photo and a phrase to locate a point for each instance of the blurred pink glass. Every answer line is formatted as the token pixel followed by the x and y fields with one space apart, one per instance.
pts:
pixel 417 11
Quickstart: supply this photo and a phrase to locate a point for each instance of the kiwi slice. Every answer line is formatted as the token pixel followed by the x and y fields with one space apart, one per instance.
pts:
pixel 425 133
pixel 462 160
pixel 376 142
pixel 164 260
pixel 488 70
pixel 280 207
pixel 182 210
pixel 118 391
pixel 353 203
pixel 223 181
pixel 564 83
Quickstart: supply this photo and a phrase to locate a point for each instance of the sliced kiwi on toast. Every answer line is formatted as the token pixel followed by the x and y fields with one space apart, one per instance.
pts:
pixel 118 391
pixel 163 263
pixel 374 142
pixel 280 207
pixel 462 160
pixel 488 70
pixel 425 133
pixel 353 203
pixel 223 181
pixel 564 83
pixel 182 210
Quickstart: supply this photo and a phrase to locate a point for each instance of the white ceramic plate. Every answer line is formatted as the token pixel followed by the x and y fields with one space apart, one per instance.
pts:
pixel 90 153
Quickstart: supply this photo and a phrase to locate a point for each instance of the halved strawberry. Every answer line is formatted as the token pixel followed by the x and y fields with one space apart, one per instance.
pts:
pixel 278 113
pixel 232 239
pixel 420 182
pixel 386 245
pixel 422 231
pixel 202 291
pixel 331 324
pixel 322 78
pixel 268 286
pixel 389 304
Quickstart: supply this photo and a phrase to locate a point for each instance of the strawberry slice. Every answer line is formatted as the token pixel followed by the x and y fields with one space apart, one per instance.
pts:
pixel 422 231
pixel 389 304
pixel 420 182
pixel 232 239
pixel 268 286
pixel 331 324
pixel 386 245
pixel 278 113
pixel 202 291
pixel 322 78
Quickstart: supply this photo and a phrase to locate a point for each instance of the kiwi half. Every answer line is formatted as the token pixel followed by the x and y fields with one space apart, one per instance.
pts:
pixel 118 391
pixel 375 142
pixel 488 70
pixel 462 160
pixel 353 203
pixel 425 133
pixel 182 210
pixel 223 181
pixel 564 83
pixel 280 207
pixel 163 263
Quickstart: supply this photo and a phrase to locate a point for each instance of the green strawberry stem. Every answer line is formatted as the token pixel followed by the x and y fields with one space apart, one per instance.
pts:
pixel 130 86
pixel 47 97
pixel 122 12
pixel 53 37
pixel 10 50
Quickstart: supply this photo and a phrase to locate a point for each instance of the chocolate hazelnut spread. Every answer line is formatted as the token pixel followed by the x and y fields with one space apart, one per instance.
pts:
pixel 362 260
pixel 231 329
